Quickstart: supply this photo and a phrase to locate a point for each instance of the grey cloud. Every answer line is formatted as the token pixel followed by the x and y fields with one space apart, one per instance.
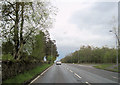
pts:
pixel 104 6
pixel 93 19
pixel 97 18
pixel 99 14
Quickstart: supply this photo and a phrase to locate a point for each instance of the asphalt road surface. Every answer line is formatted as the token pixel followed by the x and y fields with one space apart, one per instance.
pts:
pixel 73 73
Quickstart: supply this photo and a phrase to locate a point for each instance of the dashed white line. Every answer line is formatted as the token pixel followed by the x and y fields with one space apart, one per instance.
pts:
pixel 74 73
pixel 115 77
pixel 77 75
pixel 87 83
pixel 71 71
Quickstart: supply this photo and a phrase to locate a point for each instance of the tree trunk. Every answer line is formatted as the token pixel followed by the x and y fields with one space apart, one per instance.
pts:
pixel 22 21
pixel 21 31
pixel 16 37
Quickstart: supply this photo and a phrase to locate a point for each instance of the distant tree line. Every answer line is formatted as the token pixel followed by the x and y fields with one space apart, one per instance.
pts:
pixel 88 54
pixel 24 30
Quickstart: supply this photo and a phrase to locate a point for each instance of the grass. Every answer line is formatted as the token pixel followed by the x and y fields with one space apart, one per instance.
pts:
pixel 21 78
pixel 106 67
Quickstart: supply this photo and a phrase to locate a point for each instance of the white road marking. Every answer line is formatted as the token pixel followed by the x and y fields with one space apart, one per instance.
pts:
pixel 77 75
pixel 40 75
pixel 43 72
pixel 114 77
pixel 87 83
pixel 71 71
pixel 34 79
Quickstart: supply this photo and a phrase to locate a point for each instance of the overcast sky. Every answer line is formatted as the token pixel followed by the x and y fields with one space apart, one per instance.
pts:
pixel 83 23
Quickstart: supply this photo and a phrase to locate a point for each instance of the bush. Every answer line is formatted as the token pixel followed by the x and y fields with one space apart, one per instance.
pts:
pixel 10 68
pixel 6 57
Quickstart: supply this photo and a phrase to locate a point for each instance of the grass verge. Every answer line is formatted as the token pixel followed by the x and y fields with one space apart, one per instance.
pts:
pixel 108 67
pixel 27 75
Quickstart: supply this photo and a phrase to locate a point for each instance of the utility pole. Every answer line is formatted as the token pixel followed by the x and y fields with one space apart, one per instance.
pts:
pixel 117 44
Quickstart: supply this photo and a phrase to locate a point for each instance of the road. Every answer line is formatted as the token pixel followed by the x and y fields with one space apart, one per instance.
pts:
pixel 76 73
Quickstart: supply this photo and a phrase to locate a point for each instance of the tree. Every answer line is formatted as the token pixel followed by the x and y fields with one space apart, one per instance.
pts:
pixel 90 54
pixel 39 47
pixel 22 20
pixel 9 46
pixel 51 50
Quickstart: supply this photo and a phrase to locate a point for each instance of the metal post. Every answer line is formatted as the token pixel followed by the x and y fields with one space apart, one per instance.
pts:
pixel 117 51
pixel 117 44
pixel 117 40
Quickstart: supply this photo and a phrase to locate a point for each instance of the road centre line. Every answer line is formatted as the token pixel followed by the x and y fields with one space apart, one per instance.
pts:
pixel 87 83
pixel 39 75
pixel 114 77
pixel 71 71
pixel 77 75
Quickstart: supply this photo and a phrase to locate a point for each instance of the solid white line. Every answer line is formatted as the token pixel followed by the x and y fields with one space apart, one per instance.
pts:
pixel 34 79
pixel 40 75
pixel 77 75
pixel 44 71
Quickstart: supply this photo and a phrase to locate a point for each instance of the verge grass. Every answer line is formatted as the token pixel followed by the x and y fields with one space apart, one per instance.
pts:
pixel 27 75
pixel 109 67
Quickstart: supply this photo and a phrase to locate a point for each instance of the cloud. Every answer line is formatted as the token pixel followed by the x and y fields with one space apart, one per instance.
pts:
pixel 79 23
pixel 99 14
